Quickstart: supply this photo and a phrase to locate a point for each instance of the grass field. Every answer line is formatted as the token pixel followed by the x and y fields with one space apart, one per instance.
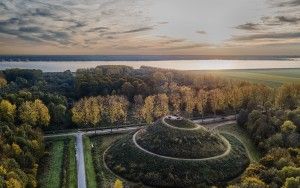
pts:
pixel 270 77
pixel 237 131
pixel 58 166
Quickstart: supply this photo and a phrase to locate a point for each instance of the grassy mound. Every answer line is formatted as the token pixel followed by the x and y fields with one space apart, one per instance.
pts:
pixel 131 163
pixel 181 123
pixel 180 143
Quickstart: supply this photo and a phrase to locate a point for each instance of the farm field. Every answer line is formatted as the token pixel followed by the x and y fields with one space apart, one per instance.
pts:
pixel 270 77
pixel 58 166
pixel 238 132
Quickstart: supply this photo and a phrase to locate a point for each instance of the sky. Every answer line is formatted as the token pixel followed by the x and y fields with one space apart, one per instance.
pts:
pixel 150 27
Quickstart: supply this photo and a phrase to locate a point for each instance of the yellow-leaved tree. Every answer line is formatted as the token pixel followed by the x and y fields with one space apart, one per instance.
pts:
pixel 118 184
pixel 34 113
pixel 7 111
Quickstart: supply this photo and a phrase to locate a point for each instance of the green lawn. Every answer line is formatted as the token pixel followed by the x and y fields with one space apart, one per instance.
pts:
pixel 89 166
pixel 58 166
pixel 235 130
pixel 270 77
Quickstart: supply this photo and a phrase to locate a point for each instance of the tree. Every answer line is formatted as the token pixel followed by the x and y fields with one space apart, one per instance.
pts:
pixel 34 113
pixel 137 106
pixel 201 100
pixel 3 82
pixel 116 108
pixel 57 113
pixel 288 127
pixel 187 97
pixel 288 96
pixel 13 183
pixel 234 98
pixel 217 100
pixel 161 106
pixel 118 184
pixel 87 111
pixel 175 102
pixel 128 89
pixel 253 182
pixel 147 109
pixel 292 182
pixel 7 111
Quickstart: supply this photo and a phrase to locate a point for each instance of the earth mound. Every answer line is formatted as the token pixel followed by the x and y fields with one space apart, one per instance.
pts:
pixel 167 154
pixel 165 139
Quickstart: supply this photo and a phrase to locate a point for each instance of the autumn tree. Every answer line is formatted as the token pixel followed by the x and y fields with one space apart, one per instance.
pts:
pixel 7 111
pixel 118 184
pixel 147 109
pixel 174 97
pixel 34 113
pixel 161 105
pixel 234 98
pixel 3 82
pixel 217 100
pixel 116 108
pixel 288 96
pixel 87 111
pixel 187 97
pixel 200 101
pixel 138 102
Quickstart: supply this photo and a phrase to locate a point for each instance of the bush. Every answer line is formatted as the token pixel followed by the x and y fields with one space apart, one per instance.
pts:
pixel 242 118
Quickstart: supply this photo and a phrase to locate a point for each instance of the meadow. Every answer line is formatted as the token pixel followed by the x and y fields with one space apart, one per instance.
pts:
pixel 270 77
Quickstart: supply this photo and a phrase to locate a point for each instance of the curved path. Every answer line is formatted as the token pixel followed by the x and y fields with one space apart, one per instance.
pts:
pixel 184 159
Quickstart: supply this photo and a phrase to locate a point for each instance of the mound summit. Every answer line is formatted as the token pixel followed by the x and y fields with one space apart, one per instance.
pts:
pixel 175 152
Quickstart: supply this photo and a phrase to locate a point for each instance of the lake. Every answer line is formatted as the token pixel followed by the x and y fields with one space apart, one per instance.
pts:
pixel 59 66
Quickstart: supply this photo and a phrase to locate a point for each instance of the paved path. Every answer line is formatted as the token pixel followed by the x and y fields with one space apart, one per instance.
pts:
pixel 81 179
pixel 104 131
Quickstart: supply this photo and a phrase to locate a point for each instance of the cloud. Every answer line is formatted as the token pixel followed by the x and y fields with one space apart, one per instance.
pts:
pixel 98 29
pixel 202 32
pixel 184 47
pixel 139 30
pixel 248 26
pixel 289 3
pixel 286 19
pixel 268 36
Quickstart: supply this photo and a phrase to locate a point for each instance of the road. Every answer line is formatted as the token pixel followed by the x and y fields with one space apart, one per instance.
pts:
pixel 81 179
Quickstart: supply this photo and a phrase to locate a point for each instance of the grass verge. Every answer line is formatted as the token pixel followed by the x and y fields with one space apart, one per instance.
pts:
pixel 104 177
pixel 89 166
pixel 237 131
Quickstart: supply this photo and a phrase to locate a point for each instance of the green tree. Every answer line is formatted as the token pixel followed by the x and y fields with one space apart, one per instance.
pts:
pixel 292 182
